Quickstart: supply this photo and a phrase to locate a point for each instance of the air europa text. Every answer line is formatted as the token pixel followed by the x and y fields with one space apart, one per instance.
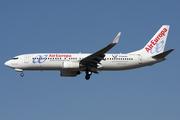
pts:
pixel 57 55
pixel 153 42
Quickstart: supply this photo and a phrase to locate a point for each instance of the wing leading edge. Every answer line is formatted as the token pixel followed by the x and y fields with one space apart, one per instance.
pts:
pixel 95 58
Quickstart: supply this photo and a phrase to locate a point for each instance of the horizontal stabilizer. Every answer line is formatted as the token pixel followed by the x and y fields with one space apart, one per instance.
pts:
pixel 163 55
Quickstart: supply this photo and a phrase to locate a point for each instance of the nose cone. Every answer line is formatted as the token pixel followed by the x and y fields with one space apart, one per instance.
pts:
pixel 8 63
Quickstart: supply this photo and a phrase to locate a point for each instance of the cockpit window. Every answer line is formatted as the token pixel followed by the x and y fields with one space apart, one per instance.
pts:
pixel 15 58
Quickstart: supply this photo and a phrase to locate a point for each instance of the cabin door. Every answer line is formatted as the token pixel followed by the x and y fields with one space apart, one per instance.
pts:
pixel 26 59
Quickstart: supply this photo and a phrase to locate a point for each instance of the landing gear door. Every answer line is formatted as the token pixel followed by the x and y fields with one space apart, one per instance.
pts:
pixel 26 59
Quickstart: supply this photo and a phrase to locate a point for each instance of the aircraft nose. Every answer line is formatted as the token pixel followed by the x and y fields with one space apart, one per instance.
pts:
pixel 7 63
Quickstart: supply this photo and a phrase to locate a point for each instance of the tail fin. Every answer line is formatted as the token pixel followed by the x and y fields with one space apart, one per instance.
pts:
pixel 157 43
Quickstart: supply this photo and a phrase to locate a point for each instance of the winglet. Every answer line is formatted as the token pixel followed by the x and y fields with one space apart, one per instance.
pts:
pixel 116 38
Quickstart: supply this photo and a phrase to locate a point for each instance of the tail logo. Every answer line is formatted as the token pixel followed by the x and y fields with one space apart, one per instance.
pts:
pixel 155 41
pixel 158 48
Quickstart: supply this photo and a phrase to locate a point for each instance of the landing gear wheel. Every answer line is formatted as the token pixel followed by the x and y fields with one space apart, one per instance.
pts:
pixel 87 77
pixel 22 74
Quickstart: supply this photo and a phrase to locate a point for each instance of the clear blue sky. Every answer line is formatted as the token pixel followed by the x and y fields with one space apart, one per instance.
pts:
pixel 63 26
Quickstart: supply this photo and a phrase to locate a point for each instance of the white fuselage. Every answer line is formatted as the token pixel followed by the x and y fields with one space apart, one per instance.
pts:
pixel 56 61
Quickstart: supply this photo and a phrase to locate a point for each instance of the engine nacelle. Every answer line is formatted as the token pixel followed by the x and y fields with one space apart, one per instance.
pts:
pixel 70 65
pixel 66 73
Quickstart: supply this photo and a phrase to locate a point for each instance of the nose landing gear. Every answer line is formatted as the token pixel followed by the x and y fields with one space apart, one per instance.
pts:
pixel 22 74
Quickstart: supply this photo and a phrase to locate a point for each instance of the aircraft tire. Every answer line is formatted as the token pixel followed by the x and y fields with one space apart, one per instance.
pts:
pixel 22 74
pixel 87 77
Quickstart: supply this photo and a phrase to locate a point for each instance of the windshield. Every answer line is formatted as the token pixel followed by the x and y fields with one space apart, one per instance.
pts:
pixel 15 58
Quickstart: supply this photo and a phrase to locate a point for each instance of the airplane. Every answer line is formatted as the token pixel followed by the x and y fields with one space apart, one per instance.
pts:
pixel 71 64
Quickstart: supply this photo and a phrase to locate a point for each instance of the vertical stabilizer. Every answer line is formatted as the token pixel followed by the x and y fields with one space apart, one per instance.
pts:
pixel 157 43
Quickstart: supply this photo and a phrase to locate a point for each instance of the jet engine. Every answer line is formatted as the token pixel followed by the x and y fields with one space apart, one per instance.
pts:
pixel 66 73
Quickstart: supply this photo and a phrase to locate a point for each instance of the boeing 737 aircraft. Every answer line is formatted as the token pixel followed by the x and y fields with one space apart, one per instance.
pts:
pixel 71 65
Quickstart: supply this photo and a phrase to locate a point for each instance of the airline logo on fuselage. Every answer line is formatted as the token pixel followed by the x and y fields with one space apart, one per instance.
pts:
pixel 155 41
pixel 57 55
pixel 114 56
pixel 43 58
pixel 40 59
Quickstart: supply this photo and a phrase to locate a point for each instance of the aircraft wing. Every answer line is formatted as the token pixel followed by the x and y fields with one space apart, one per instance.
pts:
pixel 95 58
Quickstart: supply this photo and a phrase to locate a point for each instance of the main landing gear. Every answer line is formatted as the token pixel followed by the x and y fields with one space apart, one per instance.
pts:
pixel 88 74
